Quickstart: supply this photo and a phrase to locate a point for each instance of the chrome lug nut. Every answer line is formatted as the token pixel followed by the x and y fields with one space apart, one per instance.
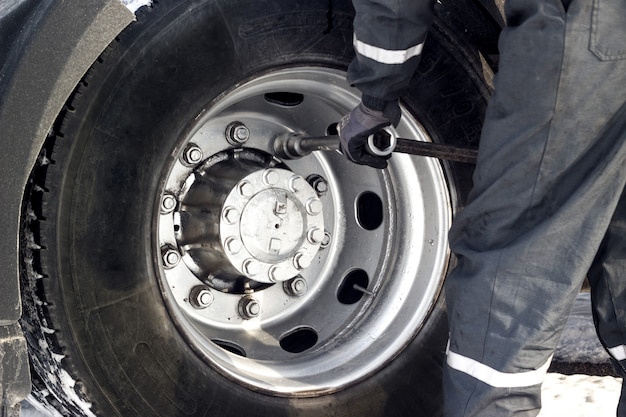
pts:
pixel 251 267
pixel 237 133
pixel 168 204
pixel 315 235
pixel 313 206
pixel 296 287
pixel 201 297
pixel 170 257
pixel 249 308
pixel 193 154
pixel 301 261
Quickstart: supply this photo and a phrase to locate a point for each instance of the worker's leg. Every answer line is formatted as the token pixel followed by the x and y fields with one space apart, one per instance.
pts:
pixel 608 294
pixel 550 170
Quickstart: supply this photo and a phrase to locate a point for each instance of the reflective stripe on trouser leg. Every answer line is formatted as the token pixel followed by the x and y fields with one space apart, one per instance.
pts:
pixel 549 156
pixel 493 377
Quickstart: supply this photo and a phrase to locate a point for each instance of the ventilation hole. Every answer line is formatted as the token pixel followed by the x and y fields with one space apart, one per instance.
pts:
pixel 369 211
pixel 299 340
pixel 332 130
pixel 285 99
pixel 231 347
pixel 351 288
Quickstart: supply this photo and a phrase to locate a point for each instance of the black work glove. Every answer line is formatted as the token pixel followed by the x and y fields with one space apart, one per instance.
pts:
pixel 356 126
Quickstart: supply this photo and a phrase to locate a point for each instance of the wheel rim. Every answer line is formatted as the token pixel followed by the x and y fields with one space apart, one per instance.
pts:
pixel 296 277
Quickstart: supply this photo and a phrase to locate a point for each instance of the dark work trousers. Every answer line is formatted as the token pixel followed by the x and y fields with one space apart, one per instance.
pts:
pixel 547 188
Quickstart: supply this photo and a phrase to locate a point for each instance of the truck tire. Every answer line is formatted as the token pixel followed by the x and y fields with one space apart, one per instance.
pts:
pixel 173 266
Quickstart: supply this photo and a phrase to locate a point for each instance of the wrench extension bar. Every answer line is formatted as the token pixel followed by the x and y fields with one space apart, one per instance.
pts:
pixel 295 145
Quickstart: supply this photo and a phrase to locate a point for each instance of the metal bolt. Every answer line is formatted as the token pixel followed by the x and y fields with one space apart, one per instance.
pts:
pixel 301 261
pixel 319 184
pixel 249 308
pixel 296 287
pixel 296 183
pixel 315 235
pixel 201 297
pixel 193 154
pixel 237 133
pixel 170 257
pixel 230 215
pixel 232 245
pixel 274 273
pixel 251 267
pixel 168 204
pixel 313 206
pixel 245 189
pixel 271 177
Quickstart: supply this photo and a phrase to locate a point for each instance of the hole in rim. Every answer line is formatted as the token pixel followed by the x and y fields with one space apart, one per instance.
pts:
pixel 369 210
pixel 299 340
pixel 347 292
pixel 230 347
pixel 332 129
pixel 284 98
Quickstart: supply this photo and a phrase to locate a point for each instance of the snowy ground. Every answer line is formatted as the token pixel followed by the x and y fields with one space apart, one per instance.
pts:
pixel 562 395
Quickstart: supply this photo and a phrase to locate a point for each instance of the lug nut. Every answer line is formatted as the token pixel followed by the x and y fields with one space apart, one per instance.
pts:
pixel 193 154
pixel 270 177
pixel 230 215
pixel 301 261
pixel 237 133
pixel 249 308
pixel 245 189
pixel 201 297
pixel 313 206
pixel 168 204
pixel 232 245
pixel 296 287
pixel 296 183
pixel 315 235
pixel 251 267
pixel 319 184
pixel 170 257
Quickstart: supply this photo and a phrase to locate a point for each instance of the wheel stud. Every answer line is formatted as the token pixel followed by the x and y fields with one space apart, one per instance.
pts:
pixel 201 297
pixel 193 154
pixel 170 257
pixel 313 206
pixel 296 287
pixel 168 204
pixel 249 308
pixel 237 133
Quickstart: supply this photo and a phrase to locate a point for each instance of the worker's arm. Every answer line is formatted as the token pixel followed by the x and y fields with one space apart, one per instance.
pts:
pixel 388 39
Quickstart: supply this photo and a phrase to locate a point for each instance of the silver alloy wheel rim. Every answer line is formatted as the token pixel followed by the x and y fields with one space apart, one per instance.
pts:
pixel 363 288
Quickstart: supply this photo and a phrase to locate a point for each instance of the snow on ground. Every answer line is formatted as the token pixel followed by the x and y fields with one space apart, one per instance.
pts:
pixel 133 5
pixel 562 395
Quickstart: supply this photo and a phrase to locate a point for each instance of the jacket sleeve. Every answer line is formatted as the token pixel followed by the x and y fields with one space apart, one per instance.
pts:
pixel 388 40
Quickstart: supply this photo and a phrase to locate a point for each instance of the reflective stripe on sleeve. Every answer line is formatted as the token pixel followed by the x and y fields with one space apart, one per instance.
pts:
pixel 495 378
pixel 385 56
pixel 618 352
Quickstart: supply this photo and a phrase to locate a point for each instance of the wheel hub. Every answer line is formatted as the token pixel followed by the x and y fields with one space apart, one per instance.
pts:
pixel 240 218
pixel 271 225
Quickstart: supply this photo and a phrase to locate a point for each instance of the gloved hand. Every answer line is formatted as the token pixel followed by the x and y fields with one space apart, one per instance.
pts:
pixel 356 126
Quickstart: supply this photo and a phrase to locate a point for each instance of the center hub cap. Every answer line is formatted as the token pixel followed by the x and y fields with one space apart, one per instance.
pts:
pixel 272 225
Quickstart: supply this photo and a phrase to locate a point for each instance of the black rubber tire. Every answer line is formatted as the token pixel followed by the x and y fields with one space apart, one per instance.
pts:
pixel 89 280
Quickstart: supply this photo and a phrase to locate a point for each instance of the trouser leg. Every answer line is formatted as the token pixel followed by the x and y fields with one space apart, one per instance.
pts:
pixel 549 175
pixel 607 277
